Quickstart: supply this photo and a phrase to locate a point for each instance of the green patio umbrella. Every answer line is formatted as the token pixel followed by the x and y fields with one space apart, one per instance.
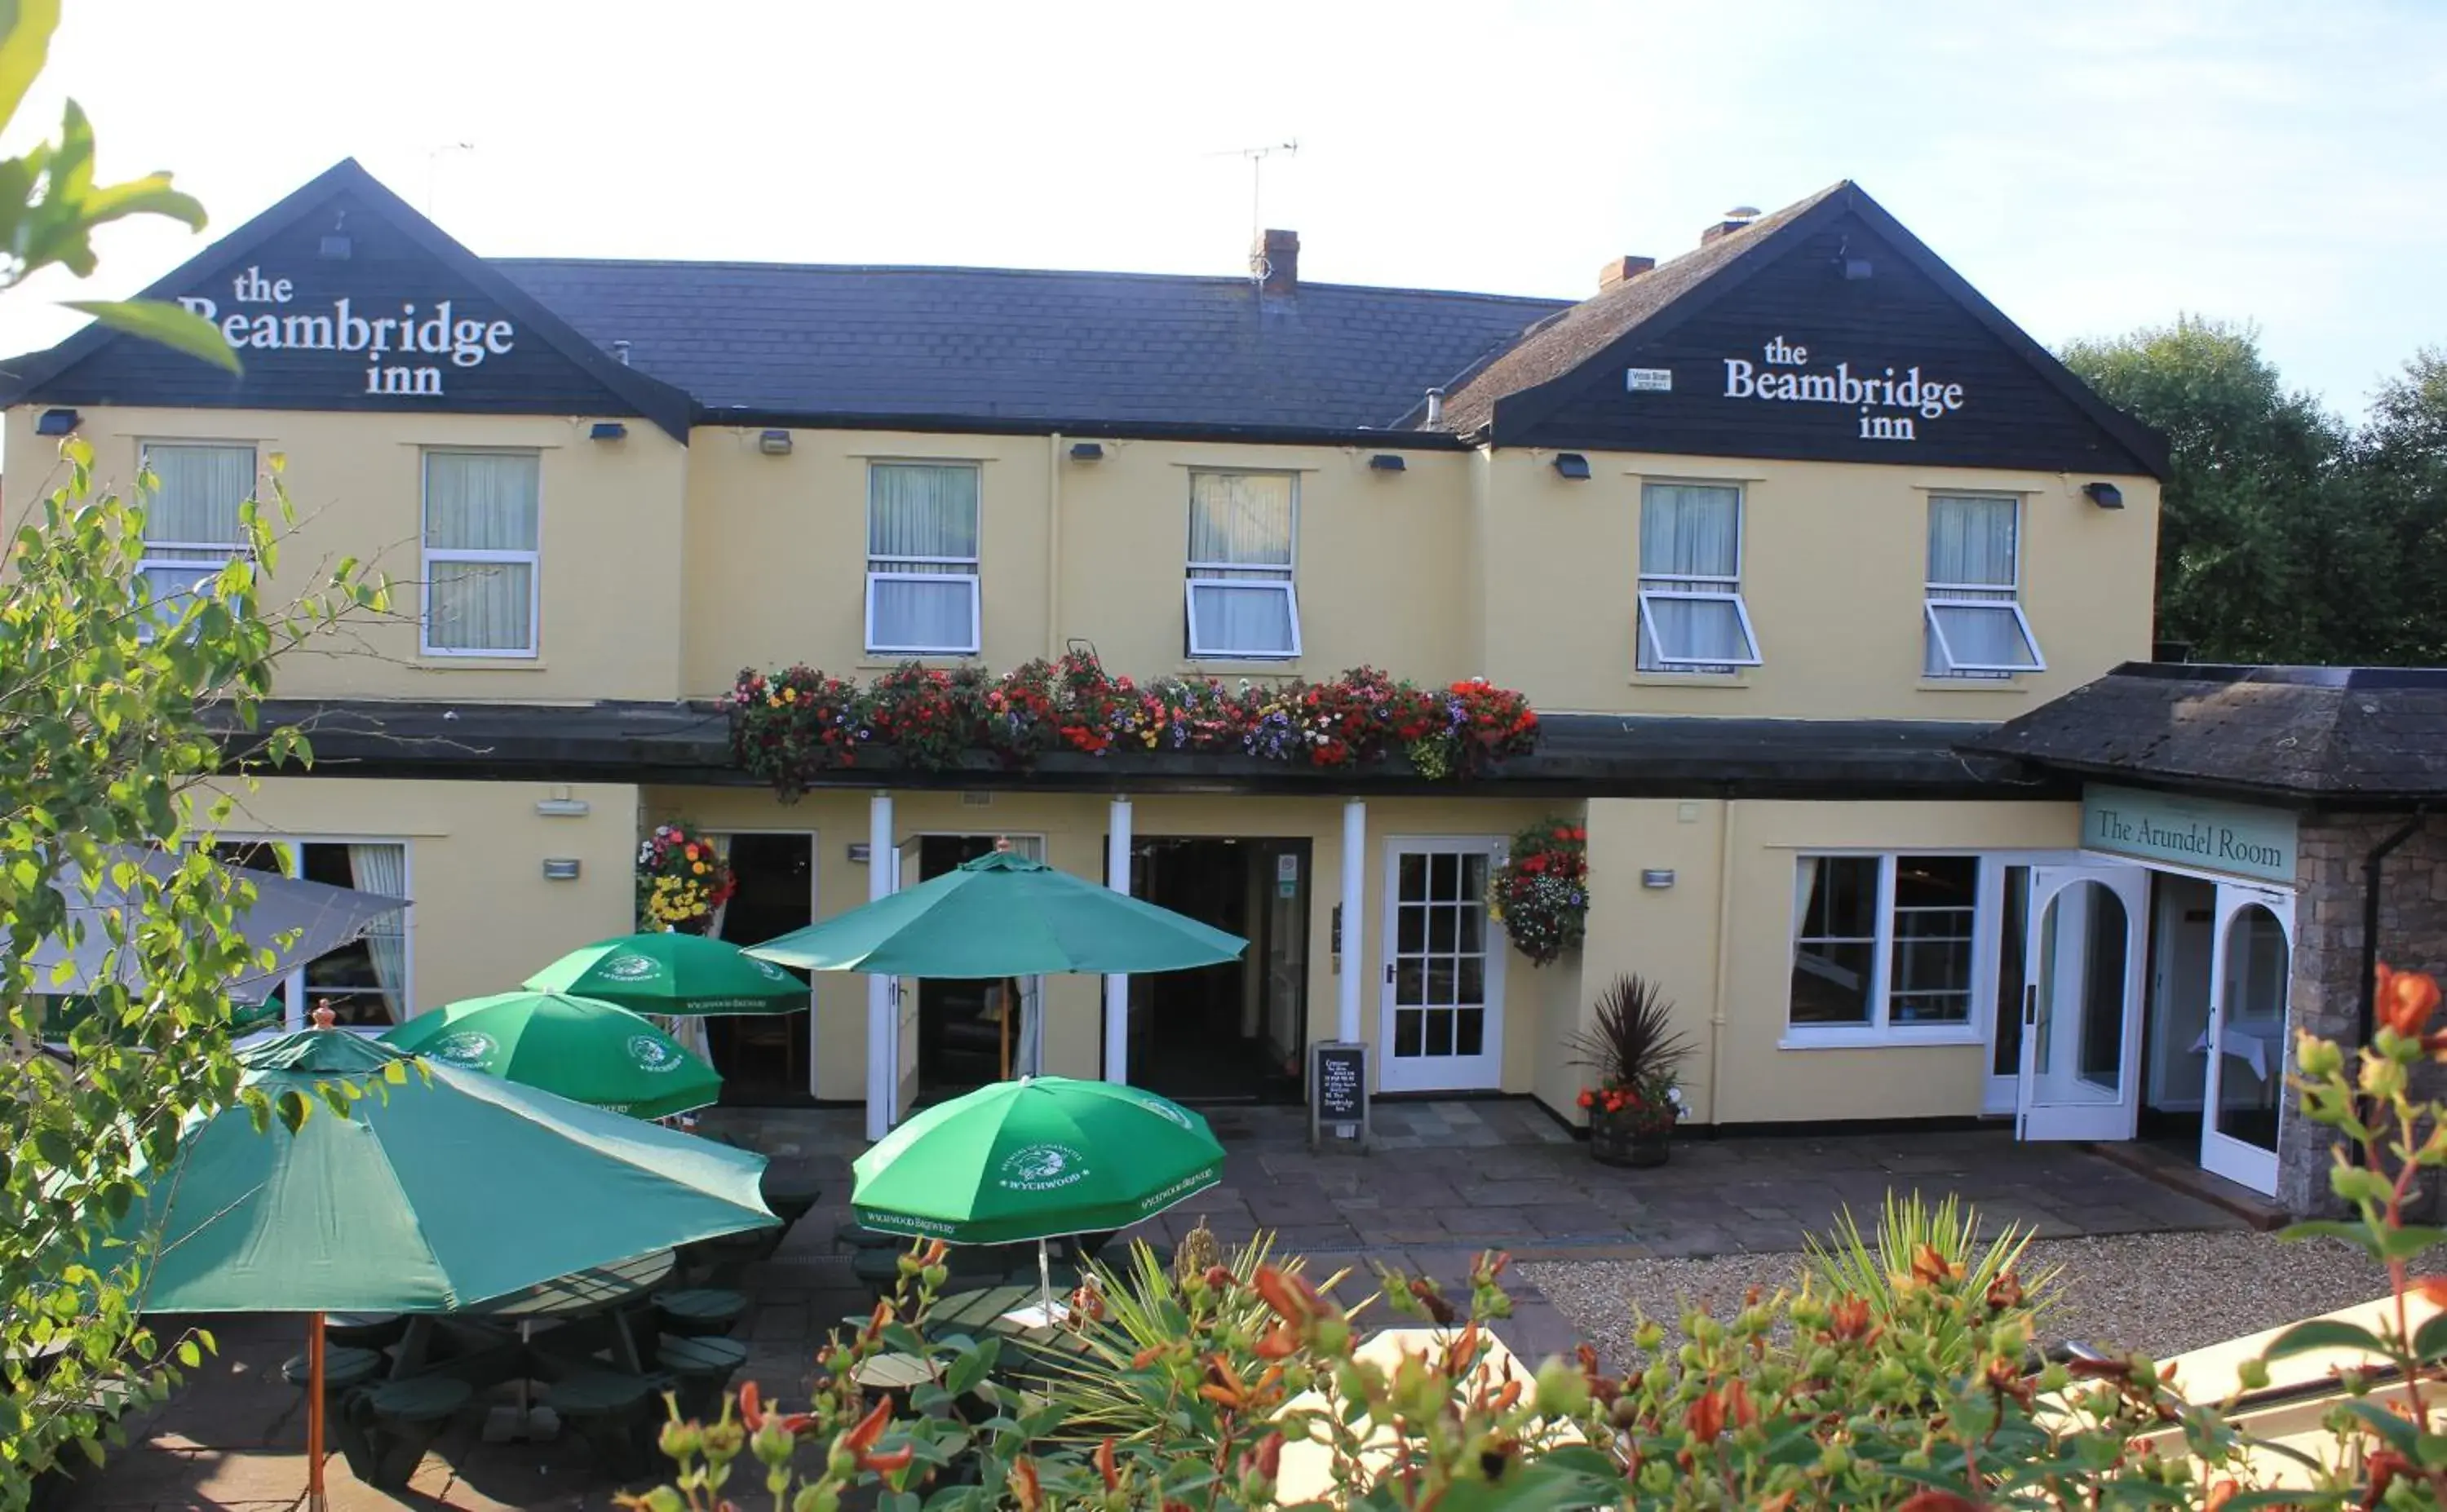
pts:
pixel 1003 915
pixel 581 1048
pixel 429 1195
pixel 1034 1158
pixel 673 974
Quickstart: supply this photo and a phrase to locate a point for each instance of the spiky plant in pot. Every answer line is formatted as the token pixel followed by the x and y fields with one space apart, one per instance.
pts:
pixel 1636 1054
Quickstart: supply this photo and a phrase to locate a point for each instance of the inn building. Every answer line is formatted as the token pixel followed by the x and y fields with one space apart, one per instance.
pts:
pixel 1810 560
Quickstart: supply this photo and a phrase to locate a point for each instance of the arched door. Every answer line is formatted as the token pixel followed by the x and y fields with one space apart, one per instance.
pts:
pixel 2082 1004
pixel 2246 1040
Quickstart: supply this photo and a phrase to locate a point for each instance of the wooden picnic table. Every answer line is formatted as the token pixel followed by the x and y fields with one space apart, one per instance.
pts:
pixel 983 1314
pixel 497 1340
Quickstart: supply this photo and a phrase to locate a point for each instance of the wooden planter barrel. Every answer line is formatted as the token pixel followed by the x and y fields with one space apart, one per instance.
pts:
pixel 1613 1140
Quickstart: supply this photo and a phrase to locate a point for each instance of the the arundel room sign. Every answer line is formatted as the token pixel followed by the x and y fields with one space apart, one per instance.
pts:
pixel 265 315
pixel 1887 406
pixel 2196 832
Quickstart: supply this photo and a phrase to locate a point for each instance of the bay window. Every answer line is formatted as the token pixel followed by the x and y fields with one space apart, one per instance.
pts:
pixel 1692 617
pixel 1972 600
pixel 194 521
pixel 481 553
pixel 1887 944
pixel 922 558
pixel 1241 597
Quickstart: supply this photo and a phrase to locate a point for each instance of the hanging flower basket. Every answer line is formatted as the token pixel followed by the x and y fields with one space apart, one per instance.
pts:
pixel 681 879
pixel 1541 893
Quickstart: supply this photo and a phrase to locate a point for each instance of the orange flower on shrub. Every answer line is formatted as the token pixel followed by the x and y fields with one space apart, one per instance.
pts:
pixel 2405 1000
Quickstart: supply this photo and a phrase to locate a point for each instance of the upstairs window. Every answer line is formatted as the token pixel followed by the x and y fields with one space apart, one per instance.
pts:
pixel 1241 602
pixel 1976 627
pixel 922 558
pixel 194 521
pixel 481 553
pixel 1692 617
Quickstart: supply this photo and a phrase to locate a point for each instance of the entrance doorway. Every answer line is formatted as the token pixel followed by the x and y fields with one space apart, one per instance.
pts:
pixel 965 1030
pixel 765 1059
pixel 1233 1032
pixel 1441 1003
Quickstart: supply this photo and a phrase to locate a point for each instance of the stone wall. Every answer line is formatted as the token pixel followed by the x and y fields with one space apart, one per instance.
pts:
pixel 2328 960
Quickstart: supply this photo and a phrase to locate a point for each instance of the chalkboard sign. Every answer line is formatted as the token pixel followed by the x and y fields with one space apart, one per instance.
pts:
pixel 1338 1091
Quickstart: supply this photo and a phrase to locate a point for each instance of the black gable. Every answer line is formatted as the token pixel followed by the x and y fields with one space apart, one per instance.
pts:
pixel 342 297
pixel 1833 335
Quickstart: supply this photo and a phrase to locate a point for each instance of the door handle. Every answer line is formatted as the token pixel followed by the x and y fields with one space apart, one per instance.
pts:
pixel 2031 1004
pixel 1389 974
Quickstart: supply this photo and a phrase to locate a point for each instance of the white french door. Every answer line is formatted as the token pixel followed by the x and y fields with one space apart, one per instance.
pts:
pixel 1440 1022
pixel 2083 950
pixel 2245 1041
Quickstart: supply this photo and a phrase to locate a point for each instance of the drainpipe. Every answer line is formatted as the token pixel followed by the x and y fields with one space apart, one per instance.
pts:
pixel 1724 959
pixel 2372 866
pixel 1054 547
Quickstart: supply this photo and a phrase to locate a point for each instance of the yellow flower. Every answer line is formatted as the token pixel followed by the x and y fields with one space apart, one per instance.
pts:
pixel 698 867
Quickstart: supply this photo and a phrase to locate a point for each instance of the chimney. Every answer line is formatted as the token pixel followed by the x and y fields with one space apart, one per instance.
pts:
pixel 1617 268
pixel 1274 261
pixel 1735 219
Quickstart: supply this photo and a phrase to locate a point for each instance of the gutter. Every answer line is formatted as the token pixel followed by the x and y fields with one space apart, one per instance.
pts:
pixel 2373 865
pixel 745 418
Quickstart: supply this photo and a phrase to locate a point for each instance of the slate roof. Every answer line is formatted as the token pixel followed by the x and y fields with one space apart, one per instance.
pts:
pixel 2336 736
pixel 1578 756
pixel 1019 345
pixel 1596 323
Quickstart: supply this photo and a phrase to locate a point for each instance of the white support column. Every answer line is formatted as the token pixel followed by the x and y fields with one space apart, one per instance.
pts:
pixel 882 1024
pixel 1117 987
pixel 1355 929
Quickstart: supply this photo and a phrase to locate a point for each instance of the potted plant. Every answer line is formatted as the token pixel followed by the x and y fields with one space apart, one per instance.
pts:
pixel 1632 1046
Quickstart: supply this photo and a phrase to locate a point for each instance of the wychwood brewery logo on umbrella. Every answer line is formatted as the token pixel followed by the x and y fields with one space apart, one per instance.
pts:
pixel 1194 1181
pixel 465 1048
pixel 652 1054
pixel 772 972
pixel 1041 1167
pixel 630 968
pixel 1163 1109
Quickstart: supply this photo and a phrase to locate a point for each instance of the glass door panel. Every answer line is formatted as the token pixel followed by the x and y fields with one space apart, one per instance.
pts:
pixel 2081 1018
pixel 1442 1006
pixel 2247 1051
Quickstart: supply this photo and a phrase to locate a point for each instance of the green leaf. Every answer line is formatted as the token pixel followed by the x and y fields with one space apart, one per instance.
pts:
pixel 966 1368
pixel 2406 1242
pixel 2357 1234
pixel 22 47
pixel 2430 1340
pixel 2400 1434
pixel 2325 1333
pixel 170 325
pixel 189 1355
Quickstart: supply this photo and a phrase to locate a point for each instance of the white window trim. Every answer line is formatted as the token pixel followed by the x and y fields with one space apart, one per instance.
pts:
pixel 1698 585
pixel 1929 606
pixel 228 550
pixel 1936 596
pixel 1987 909
pixel 1206 651
pixel 428 556
pixel 296 980
pixel 975 608
pixel 1284 574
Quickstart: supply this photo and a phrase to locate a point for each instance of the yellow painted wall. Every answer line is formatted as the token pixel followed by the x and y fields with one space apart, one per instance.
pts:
pixel 1075 829
pixel 483 918
pixel 1835 560
pixel 611 564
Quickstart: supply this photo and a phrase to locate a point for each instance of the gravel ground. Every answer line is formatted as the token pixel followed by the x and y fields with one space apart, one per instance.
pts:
pixel 2161 1293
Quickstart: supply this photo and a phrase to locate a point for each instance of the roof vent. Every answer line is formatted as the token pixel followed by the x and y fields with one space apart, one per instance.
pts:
pixel 1619 269
pixel 1435 406
pixel 1737 219
pixel 621 351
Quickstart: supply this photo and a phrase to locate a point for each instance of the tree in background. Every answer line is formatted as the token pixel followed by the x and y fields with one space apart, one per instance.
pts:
pixel 2399 466
pixel 103 736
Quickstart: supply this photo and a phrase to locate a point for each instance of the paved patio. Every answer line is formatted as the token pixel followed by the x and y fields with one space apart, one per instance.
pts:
pixel 1445 1180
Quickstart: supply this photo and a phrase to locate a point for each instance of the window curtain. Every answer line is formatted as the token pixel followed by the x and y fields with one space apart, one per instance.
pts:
pixel 1241 531
pixel 1689 532
pixel 383 868
pixel 917 511
pixel 479 502
pixel 203 489
pixel 1805 887
pixel 1971 551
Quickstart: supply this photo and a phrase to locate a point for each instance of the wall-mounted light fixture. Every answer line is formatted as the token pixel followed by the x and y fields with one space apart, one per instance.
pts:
pixel 2106 496
pixel 608 431
pixel 57 423
pixel 336 245
pixel 1088 451
pixel 774 444
pixel 858 851
pixel 1387 461
pixel 561 868
pixel 563 807
pixel 1573 465
pixel 1656 877
pixel 1857 269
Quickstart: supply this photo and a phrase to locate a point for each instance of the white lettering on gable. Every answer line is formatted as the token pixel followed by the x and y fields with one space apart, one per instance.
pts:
pixel 1776 377
pixel 438 332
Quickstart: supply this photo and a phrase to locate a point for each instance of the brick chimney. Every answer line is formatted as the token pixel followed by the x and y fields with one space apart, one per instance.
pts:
pixel 1735 219
pixel 1274 261
pixel 1617 268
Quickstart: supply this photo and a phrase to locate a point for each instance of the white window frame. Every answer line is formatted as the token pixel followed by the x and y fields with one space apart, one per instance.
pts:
pixel 1987 913
pixel 974 577
pixel 294 982
pixel 1937 595
pixel 1700 588
pixel 427 555
pixel 1211 575
pixel 230 552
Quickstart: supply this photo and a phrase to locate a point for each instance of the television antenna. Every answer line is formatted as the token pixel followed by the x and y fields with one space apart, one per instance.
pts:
pixel 432 162
pixel 1257 157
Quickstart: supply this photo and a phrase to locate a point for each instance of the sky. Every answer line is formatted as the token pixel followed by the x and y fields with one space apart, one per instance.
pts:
pixel 2092 167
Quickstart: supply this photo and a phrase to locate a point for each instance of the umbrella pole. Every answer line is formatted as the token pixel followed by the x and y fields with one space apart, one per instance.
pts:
pixel 315 1501
pixel 1045 1280
pixel 1002 998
